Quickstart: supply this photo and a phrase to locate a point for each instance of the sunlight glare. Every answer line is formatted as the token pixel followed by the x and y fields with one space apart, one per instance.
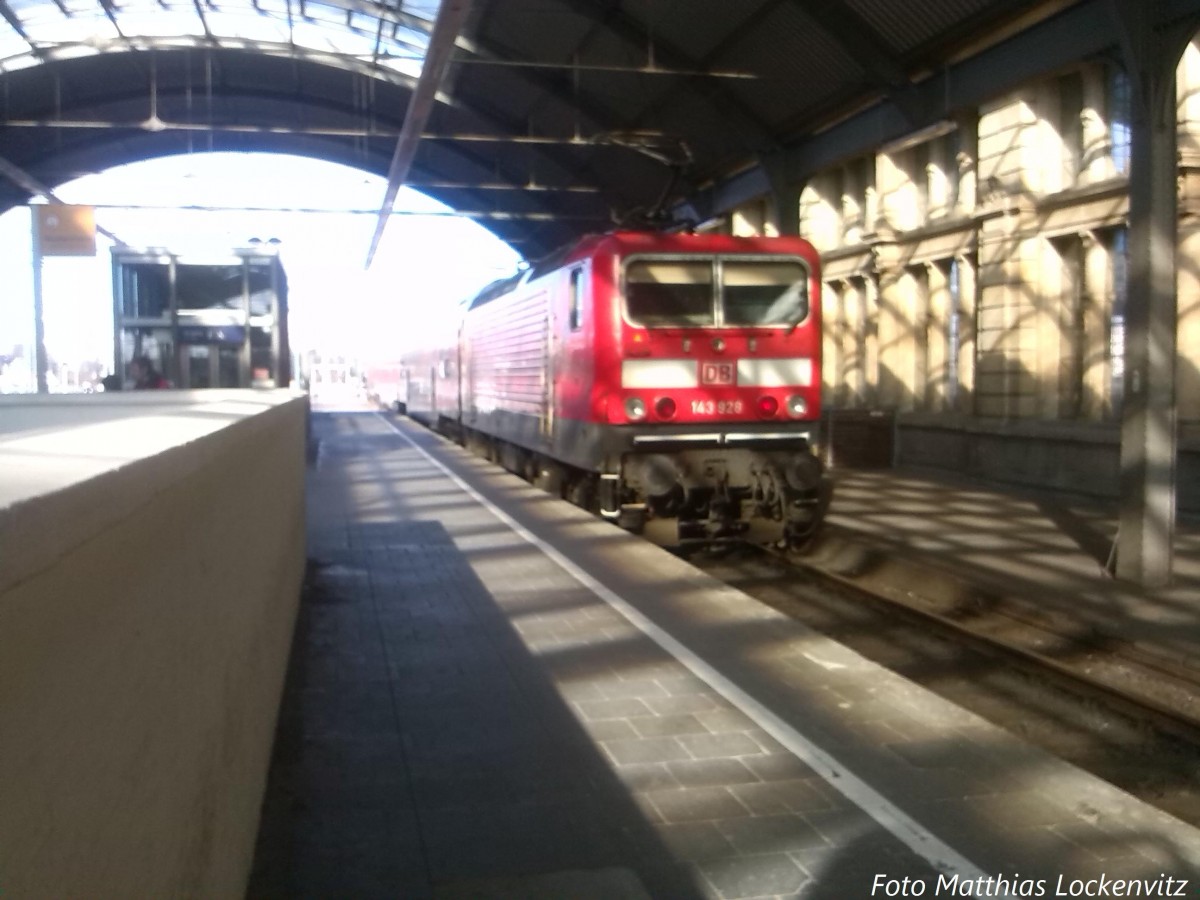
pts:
pixel 423 266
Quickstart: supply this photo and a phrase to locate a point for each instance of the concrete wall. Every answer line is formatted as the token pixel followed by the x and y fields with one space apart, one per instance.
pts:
pixel 1060 456
pixel 151 556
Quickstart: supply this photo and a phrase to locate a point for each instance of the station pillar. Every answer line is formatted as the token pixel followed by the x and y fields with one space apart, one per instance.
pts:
pixel 1145 540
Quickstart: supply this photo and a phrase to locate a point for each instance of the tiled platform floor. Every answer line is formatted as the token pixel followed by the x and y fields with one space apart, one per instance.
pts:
pixel 465 717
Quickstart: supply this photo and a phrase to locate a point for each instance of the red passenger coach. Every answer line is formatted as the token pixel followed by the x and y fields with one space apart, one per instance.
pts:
pixel 671 380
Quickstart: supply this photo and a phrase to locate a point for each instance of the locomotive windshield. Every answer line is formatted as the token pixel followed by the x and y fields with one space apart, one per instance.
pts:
pixel 674 293
pixel 670 292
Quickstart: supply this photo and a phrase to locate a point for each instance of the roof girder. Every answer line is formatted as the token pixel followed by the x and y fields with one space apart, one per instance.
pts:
pixel 451 16
pixel 862 43
pixel 634 32
pixel 275 94
pixel 1085 30
pixel 785 132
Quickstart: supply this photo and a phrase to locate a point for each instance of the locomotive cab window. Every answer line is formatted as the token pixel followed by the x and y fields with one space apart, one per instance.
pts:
pixel 665 293
pixel 576 313
pixel 761 292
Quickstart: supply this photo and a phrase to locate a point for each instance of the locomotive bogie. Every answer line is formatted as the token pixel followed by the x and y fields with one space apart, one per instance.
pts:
pixel 763 495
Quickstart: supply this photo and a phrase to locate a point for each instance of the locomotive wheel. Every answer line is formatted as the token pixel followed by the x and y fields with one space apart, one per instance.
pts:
pixel 549 477
pixel 581 492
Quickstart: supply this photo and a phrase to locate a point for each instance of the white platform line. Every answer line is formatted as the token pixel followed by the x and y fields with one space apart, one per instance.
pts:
pixel 941 856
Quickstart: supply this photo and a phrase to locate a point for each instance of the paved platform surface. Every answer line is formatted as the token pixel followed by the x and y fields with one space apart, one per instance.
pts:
pixel 520 701
pixel 928 532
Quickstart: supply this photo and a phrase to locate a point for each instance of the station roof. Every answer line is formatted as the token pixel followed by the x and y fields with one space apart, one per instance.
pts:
pixel 543 119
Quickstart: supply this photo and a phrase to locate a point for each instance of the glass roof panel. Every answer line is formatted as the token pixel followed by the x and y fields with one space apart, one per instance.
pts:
pixel 12 45
pixel 351 28
pixel 248 24
pixel 149 23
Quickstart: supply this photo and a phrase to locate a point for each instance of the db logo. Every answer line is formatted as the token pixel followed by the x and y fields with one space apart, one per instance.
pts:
pixel 717 373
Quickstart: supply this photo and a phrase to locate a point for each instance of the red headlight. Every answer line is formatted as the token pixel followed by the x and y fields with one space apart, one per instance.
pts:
pixel 665 407
pixel 767 406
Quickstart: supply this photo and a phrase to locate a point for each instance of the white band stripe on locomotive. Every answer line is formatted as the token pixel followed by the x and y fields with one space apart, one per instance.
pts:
pixel 685 373
pixel 659 373
pixel 774 372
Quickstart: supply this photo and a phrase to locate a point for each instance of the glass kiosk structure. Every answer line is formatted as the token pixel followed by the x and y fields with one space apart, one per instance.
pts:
pixel 204 322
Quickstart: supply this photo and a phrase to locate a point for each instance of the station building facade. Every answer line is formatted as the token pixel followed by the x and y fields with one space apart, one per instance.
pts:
pixel 975 282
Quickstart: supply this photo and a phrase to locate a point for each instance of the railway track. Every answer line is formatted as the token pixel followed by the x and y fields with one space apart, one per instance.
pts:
pixel 1128 716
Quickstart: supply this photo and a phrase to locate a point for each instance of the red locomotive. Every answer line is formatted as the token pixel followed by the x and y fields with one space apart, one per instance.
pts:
pixel 670 380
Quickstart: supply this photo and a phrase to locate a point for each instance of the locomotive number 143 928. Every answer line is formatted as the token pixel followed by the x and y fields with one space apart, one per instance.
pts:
pixel 716 407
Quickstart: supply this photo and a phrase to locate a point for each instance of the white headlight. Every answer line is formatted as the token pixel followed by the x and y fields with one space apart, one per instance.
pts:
pixel 635 408
pixel 796 406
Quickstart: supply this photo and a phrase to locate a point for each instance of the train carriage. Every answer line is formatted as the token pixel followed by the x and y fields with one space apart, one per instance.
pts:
pixel 672 381
pixel 429 390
